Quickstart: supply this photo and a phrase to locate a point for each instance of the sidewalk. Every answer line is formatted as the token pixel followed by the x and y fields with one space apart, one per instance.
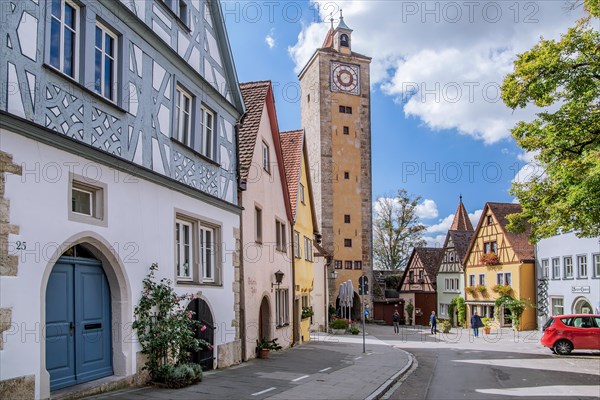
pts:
pixel 328 367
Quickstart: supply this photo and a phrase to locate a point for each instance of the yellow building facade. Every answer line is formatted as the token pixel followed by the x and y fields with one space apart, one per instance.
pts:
pixel 499 262
pixel 304 230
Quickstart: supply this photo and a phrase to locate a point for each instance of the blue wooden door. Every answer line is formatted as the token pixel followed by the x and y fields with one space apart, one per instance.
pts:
pixel 78 344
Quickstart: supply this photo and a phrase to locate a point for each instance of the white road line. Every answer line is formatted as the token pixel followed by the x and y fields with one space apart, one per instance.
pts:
pixel 263 391
pixel 299 379
pixel 357 358
pixel 325 369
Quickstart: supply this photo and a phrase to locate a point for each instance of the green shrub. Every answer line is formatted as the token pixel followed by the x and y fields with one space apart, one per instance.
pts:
pixel 354 330
pixel 445 326
pixel 177 376
pixel 339 324
pixel 267 344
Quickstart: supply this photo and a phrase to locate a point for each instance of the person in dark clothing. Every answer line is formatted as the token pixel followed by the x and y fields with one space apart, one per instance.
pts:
pixel 433 322
pixel 396 321
pixel 476 323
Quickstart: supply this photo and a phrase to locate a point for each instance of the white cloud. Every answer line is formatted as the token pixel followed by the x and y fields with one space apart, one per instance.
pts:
pixel 443 62
pixel 270 38
pixel 531 168
pixel 427 209
pixel 435 241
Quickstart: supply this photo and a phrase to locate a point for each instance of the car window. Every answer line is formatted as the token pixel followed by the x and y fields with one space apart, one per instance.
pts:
pixel 597 319
pixel 567 321
pixel 581 322
pixel 550 322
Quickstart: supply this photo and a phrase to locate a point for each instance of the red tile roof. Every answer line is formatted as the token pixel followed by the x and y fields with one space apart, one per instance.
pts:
pixel 254 95
pixel 518 241
pixel 461 219
pixel 292 143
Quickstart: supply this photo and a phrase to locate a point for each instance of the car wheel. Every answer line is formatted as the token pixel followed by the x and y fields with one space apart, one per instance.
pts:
pixel 563 347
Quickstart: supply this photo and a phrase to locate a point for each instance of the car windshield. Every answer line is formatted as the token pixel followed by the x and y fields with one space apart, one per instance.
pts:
pixel 548 323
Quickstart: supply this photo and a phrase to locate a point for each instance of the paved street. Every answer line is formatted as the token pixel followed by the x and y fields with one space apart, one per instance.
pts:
pixel 505 364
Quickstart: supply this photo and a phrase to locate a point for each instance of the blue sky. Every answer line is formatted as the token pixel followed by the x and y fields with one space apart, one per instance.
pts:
pixel 439 128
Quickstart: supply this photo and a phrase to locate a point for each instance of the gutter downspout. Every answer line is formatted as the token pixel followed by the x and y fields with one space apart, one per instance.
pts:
pixel 295 329
pixel 242 304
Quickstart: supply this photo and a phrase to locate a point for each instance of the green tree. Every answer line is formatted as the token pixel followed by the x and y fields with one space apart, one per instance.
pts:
pixel 396 230
pixel 562 77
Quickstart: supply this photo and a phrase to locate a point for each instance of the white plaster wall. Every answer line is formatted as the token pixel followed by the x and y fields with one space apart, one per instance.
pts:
pixel 262 261
pixel 569 244
pixel 319 300
pixel 444 297
pixel 140 230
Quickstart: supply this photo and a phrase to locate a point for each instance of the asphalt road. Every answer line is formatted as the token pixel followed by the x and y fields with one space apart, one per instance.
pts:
pixel 505 365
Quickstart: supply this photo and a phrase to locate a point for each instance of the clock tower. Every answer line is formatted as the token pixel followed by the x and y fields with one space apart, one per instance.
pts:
pixel 336 116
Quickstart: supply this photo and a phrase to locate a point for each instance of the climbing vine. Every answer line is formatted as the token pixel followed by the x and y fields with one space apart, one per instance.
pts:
pixel 460 305
pixel 516 307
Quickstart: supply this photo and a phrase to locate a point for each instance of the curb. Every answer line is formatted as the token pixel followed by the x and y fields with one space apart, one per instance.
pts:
pixel 381 390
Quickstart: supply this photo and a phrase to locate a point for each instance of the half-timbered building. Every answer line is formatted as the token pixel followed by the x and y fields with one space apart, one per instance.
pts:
pixel 450 276
pixel 499 262
pixel 418 284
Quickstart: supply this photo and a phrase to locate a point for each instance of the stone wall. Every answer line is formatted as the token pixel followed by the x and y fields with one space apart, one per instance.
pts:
pixel 21 388
pixel 8 264
pixel 229 354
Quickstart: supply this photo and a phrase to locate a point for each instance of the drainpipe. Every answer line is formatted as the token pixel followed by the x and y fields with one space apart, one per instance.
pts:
pixel 294 308
pixel 241 189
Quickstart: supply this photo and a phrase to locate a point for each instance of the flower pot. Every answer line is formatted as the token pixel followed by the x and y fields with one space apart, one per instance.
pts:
pixel 487 330
pixel 338 331
pixel 263 353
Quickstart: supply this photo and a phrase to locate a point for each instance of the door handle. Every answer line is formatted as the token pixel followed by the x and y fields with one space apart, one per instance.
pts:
pixel 71 328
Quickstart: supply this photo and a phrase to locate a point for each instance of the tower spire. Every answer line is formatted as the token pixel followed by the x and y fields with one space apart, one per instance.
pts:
pixel 461 220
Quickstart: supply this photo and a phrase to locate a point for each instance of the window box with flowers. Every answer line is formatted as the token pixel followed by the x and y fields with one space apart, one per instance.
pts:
pixel 471 290
pixel 503 290
pixel 482 289
pixel 307 312
pixel 489 259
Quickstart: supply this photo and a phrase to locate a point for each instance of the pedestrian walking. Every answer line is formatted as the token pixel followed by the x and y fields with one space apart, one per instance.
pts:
pixel 476 323
pixel 396 321
pixel 433 323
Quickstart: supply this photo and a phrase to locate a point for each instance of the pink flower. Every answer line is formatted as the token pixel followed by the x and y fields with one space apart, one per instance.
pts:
pixel 190 314
pixel 210 347
pixel 203 328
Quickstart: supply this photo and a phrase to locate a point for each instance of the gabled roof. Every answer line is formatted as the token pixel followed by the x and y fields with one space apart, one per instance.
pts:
pixel 328 42
pixel 256 95
pixel 293 149
pixel 461 240
pixel 225 49
pixel 519 242
pixel 430 257
pixel 461 220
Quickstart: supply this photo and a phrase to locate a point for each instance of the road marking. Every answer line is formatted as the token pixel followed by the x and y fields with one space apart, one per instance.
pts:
pixel 357 358
pixel 299 379
pixel 558 390
pixel 325 369
pixel 263 391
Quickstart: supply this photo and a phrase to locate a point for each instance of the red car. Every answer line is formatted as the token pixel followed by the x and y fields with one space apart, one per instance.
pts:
pixel 563 333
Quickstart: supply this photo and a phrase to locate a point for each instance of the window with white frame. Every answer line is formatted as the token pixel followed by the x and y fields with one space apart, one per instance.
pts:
pixel 280 236
pixel 337 264
pixel 207 139
pixel 556 268
pixel 545 269
pixel 582 266
pixel 568 265
pixel 106 42
pixel 596 265
pixel 183 115
pixel 183 12
pixel 482 279
pixel 196 251
pixel 471 280
pixel 504 278
pixel 443 309
pixel 281 307
pixel 308 249
pixel 446 284
pixel 301 193
pixel 258 224
pixel 490 247
pixel 348 264
pixel 184 249
pixel 296 244
pixel 64 37
pixel 266 158
pixel 87 202
pixel 357 264
pixel 557 306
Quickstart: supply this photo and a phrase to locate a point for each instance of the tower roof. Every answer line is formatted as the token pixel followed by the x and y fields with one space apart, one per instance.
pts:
pixel 342 24
pixel 461 219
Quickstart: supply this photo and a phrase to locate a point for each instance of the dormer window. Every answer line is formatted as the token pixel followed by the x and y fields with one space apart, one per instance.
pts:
pixel 344 42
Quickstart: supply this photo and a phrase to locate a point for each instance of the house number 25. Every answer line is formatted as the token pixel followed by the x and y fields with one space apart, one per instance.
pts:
pixel 21 245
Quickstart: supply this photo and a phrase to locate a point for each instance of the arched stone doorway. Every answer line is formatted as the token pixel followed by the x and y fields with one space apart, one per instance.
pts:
pixel 205 357
pixel 78 330
pixel 95 247
pixel 582 305
pixel 264 319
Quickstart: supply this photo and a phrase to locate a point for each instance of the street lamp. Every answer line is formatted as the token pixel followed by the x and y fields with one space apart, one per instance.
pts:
pixel 334 274
pixel 278 279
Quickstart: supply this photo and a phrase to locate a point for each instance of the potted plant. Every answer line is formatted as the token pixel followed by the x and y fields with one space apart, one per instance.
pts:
pixel 445 326
pixel 339 326
pixel 502 290
pixel 307 312
pixel 482 289
pixel 487 325
pixel 409 311
pixel 471 290
pixel 264 346
pixel 354 330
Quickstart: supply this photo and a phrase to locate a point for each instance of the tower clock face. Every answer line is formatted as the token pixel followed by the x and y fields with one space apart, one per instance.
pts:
pixel 345 78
